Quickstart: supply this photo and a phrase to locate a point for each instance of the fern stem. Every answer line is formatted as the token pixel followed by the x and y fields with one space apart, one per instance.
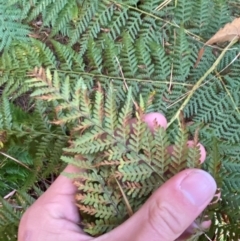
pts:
pixel 121 78
pixel 199 82
pixel 15 160
pixel 162 5
pixel 37 133
pixel 128 206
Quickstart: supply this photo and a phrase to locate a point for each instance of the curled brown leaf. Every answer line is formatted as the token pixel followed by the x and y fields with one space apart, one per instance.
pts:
pixel 226 34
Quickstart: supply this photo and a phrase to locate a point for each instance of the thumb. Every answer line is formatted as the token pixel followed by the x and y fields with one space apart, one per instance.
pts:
pixel 170 210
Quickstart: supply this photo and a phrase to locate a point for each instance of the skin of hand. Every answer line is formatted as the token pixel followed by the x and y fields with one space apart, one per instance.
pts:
pixel 164 217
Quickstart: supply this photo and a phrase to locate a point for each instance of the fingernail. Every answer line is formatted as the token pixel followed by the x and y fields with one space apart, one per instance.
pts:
pixel 199 187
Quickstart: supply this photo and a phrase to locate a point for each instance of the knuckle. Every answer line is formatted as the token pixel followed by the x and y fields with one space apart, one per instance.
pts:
pixel 164 220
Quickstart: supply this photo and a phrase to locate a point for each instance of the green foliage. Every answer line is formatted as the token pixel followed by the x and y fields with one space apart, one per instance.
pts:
pixel 100 58
pixel 11 211
pixel 10 27
pixel 30 151
pixel 121 158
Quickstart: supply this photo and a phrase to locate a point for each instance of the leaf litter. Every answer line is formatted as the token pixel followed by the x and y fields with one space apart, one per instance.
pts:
pixel 228 33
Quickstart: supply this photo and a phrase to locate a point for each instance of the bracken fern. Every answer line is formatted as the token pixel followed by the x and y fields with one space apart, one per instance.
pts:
pixel 93 65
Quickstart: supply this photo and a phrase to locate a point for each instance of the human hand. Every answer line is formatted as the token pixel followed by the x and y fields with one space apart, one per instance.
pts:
pixel 165 216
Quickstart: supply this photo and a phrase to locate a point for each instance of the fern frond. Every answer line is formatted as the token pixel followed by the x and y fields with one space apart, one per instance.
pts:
pixel 11 29
pixel 183 11
pixel 120 155
pixel 180 56
pixel 143 54
pixel 128 56
pixel 10 213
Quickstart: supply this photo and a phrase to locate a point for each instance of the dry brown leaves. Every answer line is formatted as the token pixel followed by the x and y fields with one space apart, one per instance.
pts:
pixel 228 33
